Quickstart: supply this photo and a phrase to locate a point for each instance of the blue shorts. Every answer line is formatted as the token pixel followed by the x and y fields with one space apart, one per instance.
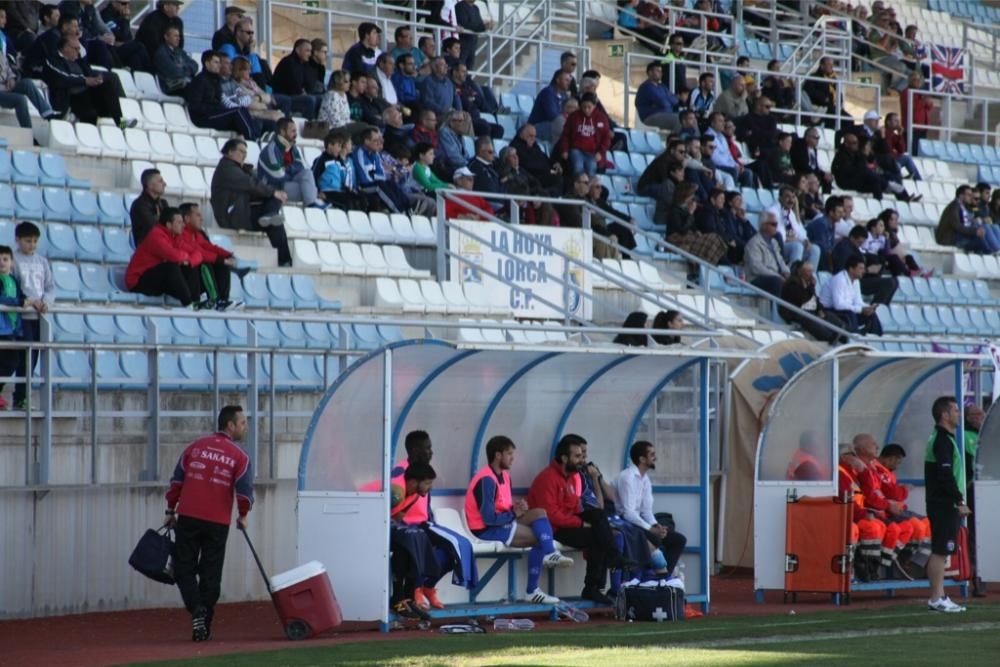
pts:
pixel 504 533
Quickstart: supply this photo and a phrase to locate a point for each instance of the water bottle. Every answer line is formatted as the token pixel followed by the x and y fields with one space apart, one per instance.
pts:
pixel 513 624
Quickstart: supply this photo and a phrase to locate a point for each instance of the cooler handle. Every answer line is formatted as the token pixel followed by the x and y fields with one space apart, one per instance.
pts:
pixel 260 566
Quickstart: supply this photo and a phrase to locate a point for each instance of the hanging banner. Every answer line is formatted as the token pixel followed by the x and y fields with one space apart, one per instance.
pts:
pixel 529 269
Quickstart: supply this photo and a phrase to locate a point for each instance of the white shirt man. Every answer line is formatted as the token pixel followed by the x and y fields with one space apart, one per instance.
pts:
pixel 789 227
pixel 635 505
pixel 842 292
pixel 845 224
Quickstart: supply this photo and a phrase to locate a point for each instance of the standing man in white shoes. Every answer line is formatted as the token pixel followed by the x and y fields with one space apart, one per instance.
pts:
pixel 944 479
pixel 492 515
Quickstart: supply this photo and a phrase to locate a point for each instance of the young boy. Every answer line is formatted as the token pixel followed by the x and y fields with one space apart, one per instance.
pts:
pixel 334 172
pixel 35 277
pixel 11 325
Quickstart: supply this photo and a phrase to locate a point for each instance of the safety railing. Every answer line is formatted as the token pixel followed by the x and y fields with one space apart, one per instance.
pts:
pixel 954 111
pixel 773 22
pixel 636 288
pixel 829 37
pixel 260 378
pixel 870 92
pixel 703 36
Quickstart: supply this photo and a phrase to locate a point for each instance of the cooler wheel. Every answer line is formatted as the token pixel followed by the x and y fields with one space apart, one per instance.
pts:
pixel 296 630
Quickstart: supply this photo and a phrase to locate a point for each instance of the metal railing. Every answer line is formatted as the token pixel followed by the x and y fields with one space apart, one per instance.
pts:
pixel 828 38
pixel 38 438
pixel 782 24
pixel 630 285
pixel 698 46
pixel 950 115
pixel 860 89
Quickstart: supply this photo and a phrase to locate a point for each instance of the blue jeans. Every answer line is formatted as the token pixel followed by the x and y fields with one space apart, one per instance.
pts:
pixel 905 161
pixel 17 99
pixel 993 236
pixel 795 252
pixel 581 162
pixel 974 244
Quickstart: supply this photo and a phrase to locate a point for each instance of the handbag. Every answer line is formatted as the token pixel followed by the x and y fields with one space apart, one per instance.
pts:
pixel 153 556
pixel 665 603
pixel 315 129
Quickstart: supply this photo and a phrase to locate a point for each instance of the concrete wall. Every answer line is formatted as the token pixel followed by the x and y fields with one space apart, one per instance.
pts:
pixel 65 550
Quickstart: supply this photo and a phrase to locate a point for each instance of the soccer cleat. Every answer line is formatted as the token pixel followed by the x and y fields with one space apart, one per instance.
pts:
pixel 944 605
pixel 432 596
pixel 420 599
pixel 556 559
pixel 537 596
pixel 199 627
pixel 407 609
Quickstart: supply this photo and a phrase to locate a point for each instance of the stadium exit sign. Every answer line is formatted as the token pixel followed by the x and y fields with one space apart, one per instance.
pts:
pixel 616 50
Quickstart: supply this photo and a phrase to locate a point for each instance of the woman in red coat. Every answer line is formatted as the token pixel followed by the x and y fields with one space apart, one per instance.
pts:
pixel 160 266
pixel 216 263
pixel 586 137
pixel 922 107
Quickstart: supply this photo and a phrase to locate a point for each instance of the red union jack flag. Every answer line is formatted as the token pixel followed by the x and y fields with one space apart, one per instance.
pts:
pixel 947 69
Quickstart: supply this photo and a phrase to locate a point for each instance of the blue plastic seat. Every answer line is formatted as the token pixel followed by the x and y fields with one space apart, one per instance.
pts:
pixel 8 205
pixel 117 245
pixel 28 202
pixel 120 293
pixel 992 320
pixel 100 328
pixel 953 292
pixel 948 322
pixel 319 335
pixel 303 369
pixel 292 335
pixel 983 291
pixel 923 290
pixel 229 371
pixel 129 329
pixel 135 365
pixel 933 319
pixel 186 330
pixel 89 243
pixel 68 328
pixel 85 207
pixel 907 291
pixel 73 366
pixel 936 291
pixel 509 126
pixel 255 294
pixel 390 333
pixel 637 141
pixel 112 208
pixel 25 168
pixel 168 371
pixel 916 318
pixel 978 318
pixel 236 332
pixel 964 322
pixel 6 168
pixel 655 143
pixel 213 331
pixel 365 337
pixel 196 366
pixel 66 276
pixel 95 284
pixel 279 285
pixel 57 204
pixel 267 333
pixel 53 172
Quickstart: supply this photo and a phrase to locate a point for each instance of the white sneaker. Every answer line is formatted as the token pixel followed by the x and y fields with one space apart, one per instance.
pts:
pixel 556 559
pixel 538 596
pixel 944 605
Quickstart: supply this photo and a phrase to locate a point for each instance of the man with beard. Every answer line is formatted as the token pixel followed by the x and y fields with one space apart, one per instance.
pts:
pixel 558 489
pixel 635 505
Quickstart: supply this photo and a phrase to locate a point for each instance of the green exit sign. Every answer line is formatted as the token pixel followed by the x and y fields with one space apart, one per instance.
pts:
pixel 616 50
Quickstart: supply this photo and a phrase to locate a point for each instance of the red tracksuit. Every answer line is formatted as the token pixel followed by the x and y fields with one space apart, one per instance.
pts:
pixel 559 495
pixel 210 472
pixel 158 247
pixel 196 243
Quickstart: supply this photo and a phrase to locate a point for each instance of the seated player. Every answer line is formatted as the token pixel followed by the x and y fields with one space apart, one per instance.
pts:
pixel 867 532
pixel 492 515
pixel 420 536
pixel 885 465
pixel 635 505
pixel 558 490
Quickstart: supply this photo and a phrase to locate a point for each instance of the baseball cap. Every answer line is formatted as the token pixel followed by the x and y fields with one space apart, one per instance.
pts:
pixel 462 171
pixel 871 115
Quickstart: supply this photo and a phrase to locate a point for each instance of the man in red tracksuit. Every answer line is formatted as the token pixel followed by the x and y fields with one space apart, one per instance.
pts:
pixel 558 489
pixel 586 137
pixel 210 472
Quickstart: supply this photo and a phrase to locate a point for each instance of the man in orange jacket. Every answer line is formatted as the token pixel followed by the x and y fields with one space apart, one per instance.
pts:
pixel 867 532
pixel 890 458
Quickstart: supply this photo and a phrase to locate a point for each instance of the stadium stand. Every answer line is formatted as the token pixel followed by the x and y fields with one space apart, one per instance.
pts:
pixel 371 274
